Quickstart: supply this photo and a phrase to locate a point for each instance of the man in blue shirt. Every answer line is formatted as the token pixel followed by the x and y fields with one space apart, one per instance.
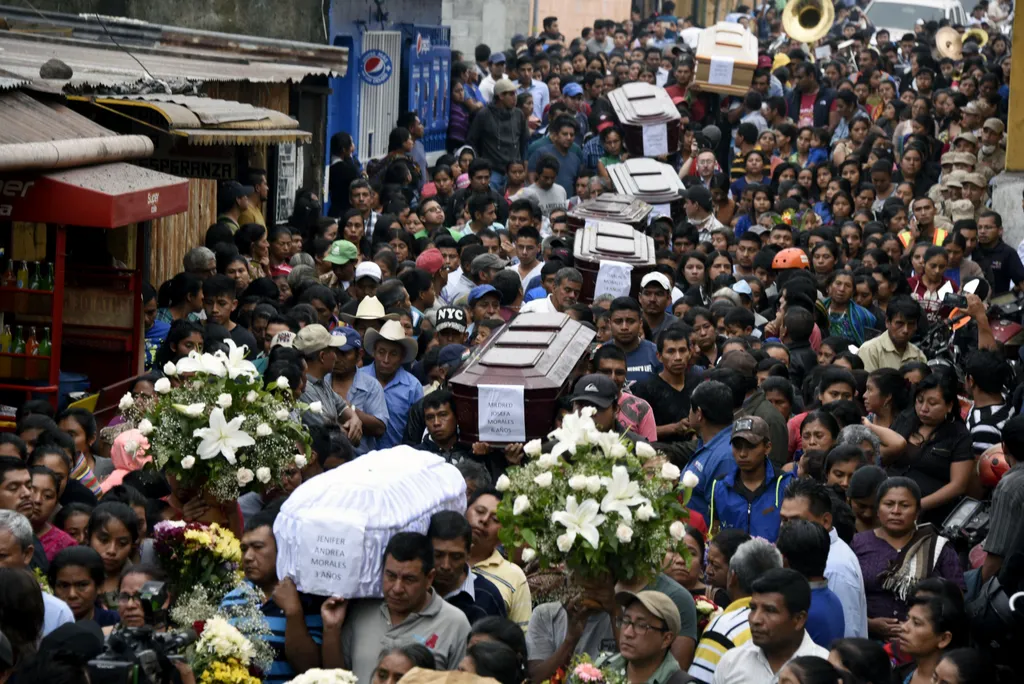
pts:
pixel 570 159
pixel 526 84
pixel 641 355
pixel 293 618
pixel 391 349
pixel 804 546
pixel 711 417
pixel 363 393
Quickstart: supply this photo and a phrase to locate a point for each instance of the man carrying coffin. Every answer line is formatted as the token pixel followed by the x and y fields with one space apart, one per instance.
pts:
pixel 355 632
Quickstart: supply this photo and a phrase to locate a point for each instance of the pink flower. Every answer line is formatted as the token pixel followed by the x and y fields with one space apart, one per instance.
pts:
pixel 588 673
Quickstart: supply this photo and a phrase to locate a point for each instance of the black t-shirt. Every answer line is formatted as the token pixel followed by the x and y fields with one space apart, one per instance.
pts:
pixel 1003 263
pixel 669 405
pixel 242 336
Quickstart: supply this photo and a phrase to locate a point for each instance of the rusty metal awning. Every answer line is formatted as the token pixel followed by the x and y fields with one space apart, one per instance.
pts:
pixel 97 64
pixel 45 134
pixel 103 196
pixel 206 120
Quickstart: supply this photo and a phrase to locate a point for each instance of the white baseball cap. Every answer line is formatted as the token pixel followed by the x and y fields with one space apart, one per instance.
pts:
pixel 369 269
pixel 659 278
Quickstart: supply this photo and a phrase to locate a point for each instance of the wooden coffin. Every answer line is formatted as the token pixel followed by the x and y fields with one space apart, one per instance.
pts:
pixel 608 207
pixel 726 59
pixel 537 351
pixel 653 182
pixel 649 119
pixel 605 240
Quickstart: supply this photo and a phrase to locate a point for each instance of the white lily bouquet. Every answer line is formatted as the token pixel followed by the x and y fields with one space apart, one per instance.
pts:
pixel 214 425
pixel 318 676
pixel 597 503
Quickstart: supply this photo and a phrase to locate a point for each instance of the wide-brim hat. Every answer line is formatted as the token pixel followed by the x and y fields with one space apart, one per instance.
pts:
pixel 370 309
pixel 392 331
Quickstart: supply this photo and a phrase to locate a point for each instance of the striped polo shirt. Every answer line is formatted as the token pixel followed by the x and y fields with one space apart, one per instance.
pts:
pixel 727 631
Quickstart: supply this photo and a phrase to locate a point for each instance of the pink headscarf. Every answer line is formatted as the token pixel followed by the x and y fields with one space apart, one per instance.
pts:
pixel 128 454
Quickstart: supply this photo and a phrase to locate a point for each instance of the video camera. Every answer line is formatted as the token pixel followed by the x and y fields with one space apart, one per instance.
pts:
pixel 142 655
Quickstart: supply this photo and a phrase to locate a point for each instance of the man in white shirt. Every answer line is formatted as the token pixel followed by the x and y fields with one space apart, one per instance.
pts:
pixel 497 72
pixel 568 285
pixel 699 209
pixel 778 614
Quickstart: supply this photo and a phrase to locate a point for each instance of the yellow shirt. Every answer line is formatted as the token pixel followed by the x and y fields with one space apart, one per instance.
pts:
pixel 881 353
pixel 252 215
pixel 511 582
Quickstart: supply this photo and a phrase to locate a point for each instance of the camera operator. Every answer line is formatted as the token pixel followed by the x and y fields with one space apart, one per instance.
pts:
pixel 975 333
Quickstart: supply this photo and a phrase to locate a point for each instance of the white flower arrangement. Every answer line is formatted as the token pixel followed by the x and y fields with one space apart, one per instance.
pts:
pixel 595 502
pixel 216 427
pixel 221 640
pixel 318 676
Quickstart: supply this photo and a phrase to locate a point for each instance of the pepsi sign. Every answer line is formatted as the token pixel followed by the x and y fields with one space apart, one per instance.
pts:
pixel 375 67
pixel 422 44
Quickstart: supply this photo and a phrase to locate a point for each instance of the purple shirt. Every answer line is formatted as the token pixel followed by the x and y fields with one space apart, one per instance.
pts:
pixel 875 556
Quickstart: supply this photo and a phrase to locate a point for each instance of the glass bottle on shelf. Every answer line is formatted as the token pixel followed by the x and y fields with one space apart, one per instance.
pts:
pixel 33 280
pixel 22 277
pixel 18 347
pixel 45 346
pixel 5 347
pixel 31 344
pixel 7 279
pixel 50 278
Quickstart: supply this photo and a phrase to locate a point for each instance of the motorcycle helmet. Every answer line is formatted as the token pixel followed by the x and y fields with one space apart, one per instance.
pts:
pixel 791 257
pixel 992 465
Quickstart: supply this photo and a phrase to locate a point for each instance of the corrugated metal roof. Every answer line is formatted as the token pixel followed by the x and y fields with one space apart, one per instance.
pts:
pixel 97 64
pixel 243 137
pixel 24 119
pixel 189 111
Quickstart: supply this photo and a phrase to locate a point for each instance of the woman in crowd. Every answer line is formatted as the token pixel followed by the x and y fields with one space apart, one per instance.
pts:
pixel 74 520
pixel 689 573
pixel 865 659
pixel 88 468
pixel 897 554
pixel 252 243
pixel 887 395
pixel 184 338
pixel 181 297
pixel 45 488
pixel 114 533
pixel 393 663
pixel 720 551
pixel 938 456
pixel 130 583
pixel 934 625
pixel 76 575
pixel 927 285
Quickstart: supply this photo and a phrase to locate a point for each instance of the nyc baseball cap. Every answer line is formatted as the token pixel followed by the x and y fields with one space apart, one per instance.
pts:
pixel 450 318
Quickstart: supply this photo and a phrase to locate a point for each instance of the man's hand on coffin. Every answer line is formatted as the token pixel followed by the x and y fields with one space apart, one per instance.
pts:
pixel 286 596
pixel 480 448
pixel 333 612
pixel 194 509
pixel 514 454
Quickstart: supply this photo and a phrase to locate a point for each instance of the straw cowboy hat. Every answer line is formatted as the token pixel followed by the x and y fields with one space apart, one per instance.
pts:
pixel 370 309
pixel 392 331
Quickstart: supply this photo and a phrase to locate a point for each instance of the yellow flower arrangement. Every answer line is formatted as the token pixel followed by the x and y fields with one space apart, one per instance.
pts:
pixel 230 671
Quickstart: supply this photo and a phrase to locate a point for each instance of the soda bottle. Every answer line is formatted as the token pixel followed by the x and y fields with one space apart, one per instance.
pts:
pixel 33 280
pixel 5 348
pixel 22 281
pixel 32 349
pixel 18 347
pixel 50 278
pixel 45 346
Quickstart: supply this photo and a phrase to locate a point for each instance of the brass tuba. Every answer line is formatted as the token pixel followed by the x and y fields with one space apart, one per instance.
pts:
pixel 949 44
pixel 980 36
pixel 805 21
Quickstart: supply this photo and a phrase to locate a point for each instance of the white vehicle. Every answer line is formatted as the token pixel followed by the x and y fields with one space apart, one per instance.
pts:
pixel 899 16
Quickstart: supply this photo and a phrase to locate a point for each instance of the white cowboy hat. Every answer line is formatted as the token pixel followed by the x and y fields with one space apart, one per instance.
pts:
pixel 370 309
pixel 392 331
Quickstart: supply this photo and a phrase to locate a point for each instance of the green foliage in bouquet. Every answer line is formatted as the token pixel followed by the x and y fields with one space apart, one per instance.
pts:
pixel 596 503
pixel 214 425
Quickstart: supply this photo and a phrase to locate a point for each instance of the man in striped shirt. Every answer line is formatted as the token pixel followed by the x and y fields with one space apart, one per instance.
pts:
pixel 731 629
pixel 987 372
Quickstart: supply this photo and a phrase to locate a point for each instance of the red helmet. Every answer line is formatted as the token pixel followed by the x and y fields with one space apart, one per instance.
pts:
pixel 791 257
pixel 992 465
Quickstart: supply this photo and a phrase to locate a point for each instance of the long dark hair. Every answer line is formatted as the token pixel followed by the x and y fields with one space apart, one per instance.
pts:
pixel 21 611
pixel 180 329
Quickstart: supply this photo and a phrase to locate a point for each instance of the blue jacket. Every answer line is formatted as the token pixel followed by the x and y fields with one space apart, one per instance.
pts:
pixel 711 462
pixel 760 516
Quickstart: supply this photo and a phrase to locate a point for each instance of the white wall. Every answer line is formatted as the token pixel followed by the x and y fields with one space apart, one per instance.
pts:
pixel 493 22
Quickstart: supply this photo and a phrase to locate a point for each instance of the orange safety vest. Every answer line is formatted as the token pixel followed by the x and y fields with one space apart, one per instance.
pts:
pixel 938 237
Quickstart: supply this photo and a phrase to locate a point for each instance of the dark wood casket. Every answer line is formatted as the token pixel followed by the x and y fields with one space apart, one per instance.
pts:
pixel 653 182
pixel 609 207
pixel 649 119
pixel 536 351
pixel 605 240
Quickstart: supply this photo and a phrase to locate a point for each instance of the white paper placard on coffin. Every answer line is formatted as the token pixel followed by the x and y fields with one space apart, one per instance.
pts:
pixel 332 531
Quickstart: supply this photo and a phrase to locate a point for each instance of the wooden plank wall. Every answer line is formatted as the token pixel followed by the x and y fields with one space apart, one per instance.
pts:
pixel 172 236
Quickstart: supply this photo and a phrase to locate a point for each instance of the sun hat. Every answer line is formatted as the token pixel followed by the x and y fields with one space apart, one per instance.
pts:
pixel 370 309
pixel 392 331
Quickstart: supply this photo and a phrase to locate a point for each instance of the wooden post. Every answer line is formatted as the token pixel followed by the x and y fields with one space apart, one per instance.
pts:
pixel 1015 129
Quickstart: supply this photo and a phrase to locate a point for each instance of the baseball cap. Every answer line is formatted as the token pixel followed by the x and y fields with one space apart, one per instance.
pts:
pixel 518 38
pixel 657 603
pixel 352 338
pixel 699 194
pixel 751 428
pixel 947 158
pixel 975 179
pixel 316 337
pixel 504 86
pixel 758 229
pixel 368 269
pixel 232 190
pixel 497 58
pixel 487 261
pixel 430 260
pixel 602 121
pixel 450 318
pixel 954 179
pixel 994 124
pixel 481 291
pixel 341 252
pixel 451 355
pixel 965 158
pixel 658 279
pixel 572 90
pixel 966 137
pixel 285 338
pixel 713 134
pixel 596 389
pixel 743 287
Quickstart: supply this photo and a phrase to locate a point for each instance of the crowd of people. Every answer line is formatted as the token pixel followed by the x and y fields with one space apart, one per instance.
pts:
pixel 836 222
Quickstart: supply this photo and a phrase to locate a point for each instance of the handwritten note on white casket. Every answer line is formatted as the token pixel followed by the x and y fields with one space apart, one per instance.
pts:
pixel 614 278
pixel 353 511
pixel 501 412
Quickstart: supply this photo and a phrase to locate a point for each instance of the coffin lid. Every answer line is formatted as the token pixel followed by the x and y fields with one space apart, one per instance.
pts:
pixel 609 207
pixel 640 104
pixel 647 179
pixel 609 240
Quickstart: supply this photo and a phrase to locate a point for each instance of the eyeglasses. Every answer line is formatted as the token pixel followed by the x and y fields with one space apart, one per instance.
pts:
pixel 640 628
pixel 126 598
